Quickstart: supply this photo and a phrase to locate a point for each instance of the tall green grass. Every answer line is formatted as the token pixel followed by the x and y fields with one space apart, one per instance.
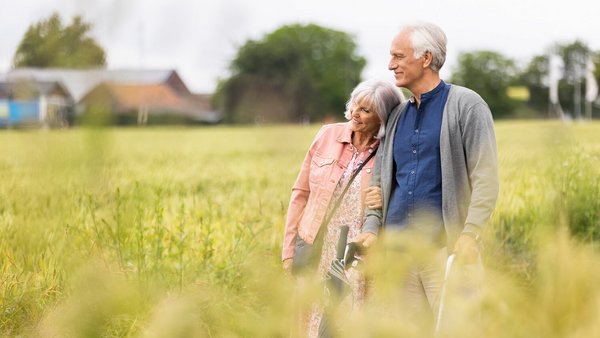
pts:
pixel 176 232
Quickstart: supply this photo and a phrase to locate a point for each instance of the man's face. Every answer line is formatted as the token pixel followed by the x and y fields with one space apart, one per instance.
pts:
pixel 407 69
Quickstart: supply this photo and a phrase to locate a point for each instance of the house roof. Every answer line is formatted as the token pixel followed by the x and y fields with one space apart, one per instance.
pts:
pixel 133 96
pixel 157 98
pixel 32 88
pixel 80 82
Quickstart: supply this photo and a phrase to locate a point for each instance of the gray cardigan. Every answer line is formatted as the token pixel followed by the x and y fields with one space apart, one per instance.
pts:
pixel 469 165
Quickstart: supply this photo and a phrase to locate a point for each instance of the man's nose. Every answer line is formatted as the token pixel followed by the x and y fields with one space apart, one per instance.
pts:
pixel 392 65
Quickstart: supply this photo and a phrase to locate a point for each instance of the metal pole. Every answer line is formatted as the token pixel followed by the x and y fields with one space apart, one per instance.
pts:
pixel 440 314
pixel 577 95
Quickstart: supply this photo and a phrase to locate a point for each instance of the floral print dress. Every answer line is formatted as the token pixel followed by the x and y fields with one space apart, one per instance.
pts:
pixel 349 213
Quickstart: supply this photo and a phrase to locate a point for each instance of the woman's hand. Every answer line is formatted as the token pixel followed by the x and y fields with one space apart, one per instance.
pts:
pixel 287 265
pixel 365 239
pixel 373 198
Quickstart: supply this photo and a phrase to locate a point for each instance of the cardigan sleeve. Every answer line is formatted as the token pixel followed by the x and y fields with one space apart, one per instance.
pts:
pixel 479 142
pixel 373 218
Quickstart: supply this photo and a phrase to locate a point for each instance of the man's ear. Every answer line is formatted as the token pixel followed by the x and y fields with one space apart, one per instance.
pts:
pixel 427 58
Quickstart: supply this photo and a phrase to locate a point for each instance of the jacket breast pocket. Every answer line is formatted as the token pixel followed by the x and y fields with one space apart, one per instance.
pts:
pixel 320 168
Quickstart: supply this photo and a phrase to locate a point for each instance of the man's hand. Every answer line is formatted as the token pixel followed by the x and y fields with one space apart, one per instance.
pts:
pixel 366 239
pixel 467 249
pixel 373 198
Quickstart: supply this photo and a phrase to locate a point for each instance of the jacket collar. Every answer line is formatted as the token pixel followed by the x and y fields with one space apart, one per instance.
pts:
pixel 346 136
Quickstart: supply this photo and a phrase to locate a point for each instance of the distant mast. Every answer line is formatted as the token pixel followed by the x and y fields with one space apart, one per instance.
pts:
pixel 591 87
pixel 555 73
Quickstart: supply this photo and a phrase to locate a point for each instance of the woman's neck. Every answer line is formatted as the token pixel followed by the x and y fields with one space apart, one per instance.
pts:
pixel 361 141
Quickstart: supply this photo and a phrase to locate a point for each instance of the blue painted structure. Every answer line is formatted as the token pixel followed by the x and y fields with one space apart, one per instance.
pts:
pixel 14 113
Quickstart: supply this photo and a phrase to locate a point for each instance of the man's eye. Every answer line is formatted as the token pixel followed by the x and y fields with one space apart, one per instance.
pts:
pixel 366 110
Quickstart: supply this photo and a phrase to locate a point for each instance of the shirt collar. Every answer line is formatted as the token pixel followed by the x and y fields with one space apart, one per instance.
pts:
pixel 430 94
pixel 374 145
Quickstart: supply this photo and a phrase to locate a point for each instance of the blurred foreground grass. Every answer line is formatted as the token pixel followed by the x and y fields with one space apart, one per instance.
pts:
pixel 177 233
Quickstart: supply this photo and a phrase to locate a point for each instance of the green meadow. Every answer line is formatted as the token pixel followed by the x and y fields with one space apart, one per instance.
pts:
pixel 176 232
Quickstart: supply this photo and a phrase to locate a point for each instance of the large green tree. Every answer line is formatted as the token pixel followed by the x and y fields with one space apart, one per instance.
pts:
pixel 296 73
pixel 50 44
pixel 489 74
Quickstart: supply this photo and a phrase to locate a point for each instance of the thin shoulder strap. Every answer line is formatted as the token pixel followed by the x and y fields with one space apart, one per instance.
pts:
pixel 341 197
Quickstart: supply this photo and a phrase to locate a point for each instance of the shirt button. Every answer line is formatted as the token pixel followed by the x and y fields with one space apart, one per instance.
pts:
pixel 368 171
pixel 412 172
pixel 416 130
pixel 410 192
pixel 414 151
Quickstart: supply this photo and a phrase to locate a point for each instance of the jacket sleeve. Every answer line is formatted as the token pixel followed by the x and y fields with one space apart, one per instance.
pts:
pixel 298 200
pixel 479 142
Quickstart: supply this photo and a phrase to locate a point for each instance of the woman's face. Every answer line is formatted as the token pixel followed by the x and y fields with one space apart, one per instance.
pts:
pixel 364 119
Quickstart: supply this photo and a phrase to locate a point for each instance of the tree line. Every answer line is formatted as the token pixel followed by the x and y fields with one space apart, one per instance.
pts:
pixel 304 73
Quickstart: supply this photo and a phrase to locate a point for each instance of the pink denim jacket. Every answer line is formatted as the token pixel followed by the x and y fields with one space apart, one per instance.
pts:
pixel 323 166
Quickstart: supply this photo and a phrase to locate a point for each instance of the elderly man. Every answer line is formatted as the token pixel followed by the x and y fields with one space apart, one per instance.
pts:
pixel 437 166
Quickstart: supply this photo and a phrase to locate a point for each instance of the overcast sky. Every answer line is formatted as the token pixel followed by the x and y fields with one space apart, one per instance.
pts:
pixel 199 38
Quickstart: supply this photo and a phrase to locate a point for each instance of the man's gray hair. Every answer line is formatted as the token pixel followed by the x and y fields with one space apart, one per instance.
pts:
pixel 380 95
pixel 427 37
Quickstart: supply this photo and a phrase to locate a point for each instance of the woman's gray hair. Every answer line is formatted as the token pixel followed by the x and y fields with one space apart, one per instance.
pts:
pixel 427 37
pixel 381 96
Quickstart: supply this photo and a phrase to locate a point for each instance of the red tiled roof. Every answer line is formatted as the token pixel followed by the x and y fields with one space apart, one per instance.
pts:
pixel 155 98
pixel 131 97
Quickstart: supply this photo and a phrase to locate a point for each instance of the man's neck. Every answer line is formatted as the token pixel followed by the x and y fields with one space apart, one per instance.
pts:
pixel 427 84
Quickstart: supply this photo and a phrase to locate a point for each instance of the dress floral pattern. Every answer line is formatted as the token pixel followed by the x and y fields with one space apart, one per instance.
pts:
pixel 349 213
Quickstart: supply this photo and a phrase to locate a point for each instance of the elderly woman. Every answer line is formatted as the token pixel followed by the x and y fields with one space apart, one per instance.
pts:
pixel 335 154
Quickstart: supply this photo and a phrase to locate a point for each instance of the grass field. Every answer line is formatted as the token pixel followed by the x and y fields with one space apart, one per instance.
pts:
pixel 176 232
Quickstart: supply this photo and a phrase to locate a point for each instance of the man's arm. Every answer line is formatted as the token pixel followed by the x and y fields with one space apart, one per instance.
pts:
pixel 479 140
pixel 373 217
pixel 479 143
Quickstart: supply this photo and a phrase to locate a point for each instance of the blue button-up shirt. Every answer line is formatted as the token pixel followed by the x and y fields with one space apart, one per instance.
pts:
pixel 418 185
